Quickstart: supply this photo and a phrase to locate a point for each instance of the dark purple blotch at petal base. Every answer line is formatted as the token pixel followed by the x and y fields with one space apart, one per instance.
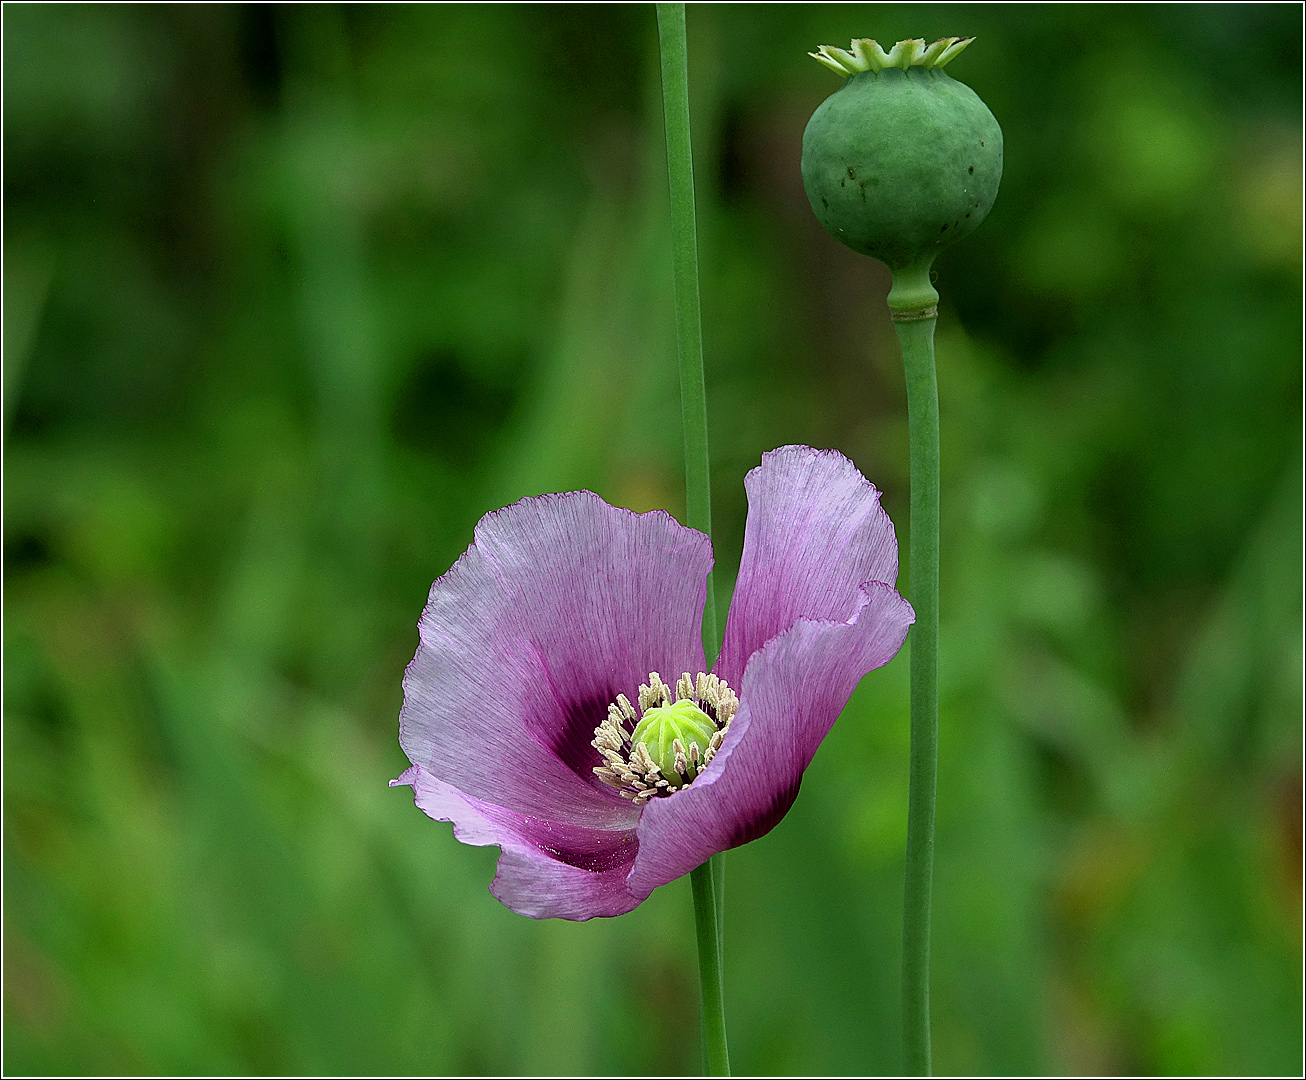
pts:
pixel 570 740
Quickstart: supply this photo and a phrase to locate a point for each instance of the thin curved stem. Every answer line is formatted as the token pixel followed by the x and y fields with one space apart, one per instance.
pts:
pixel 916 333
pixel 708 880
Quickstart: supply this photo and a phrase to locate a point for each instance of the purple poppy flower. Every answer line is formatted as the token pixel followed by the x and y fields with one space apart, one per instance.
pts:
pixel 518 715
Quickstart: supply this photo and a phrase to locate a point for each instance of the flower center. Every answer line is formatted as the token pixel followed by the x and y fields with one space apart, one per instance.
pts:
pixel 675 735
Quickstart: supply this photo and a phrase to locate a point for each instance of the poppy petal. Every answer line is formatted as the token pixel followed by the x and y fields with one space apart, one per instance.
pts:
pixel 815 534
pixel 546 870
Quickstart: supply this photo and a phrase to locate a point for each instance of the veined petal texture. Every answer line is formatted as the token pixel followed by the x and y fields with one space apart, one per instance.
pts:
pixel 815 534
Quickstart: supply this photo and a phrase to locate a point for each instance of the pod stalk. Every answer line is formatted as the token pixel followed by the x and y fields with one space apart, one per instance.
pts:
pixel 913 295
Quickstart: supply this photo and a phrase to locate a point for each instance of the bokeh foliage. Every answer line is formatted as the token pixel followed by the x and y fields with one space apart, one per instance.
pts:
pixel 293 295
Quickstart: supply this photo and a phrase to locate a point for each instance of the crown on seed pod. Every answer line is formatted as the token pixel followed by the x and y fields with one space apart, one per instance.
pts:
pixel 902 160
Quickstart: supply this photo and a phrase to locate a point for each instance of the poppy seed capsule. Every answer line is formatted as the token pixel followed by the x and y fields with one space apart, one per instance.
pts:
pixel 902 160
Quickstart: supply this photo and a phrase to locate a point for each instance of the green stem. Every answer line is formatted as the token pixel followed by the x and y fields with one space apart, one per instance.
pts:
pixel 708 880
pixel 709 971
pixel 913 303
pixel 684 251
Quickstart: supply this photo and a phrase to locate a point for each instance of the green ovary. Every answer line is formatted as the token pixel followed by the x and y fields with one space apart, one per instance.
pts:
pixel 661 727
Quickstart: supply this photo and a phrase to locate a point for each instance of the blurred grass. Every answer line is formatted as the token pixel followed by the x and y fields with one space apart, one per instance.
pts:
pixel 294 294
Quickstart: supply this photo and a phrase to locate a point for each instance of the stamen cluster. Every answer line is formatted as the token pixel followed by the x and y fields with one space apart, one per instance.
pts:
pixel 629 767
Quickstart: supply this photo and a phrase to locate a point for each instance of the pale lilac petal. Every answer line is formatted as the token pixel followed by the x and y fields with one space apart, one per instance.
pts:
pixel 794 689
pixel 546 870
pixel 561 603
pixel 815 534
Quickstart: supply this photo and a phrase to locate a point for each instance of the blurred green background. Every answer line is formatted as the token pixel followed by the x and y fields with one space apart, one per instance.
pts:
pixel 293 295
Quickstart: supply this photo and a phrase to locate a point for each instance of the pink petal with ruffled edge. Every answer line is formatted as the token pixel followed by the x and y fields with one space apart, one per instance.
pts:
pixel 792 693
pixel 546 870
pixel 815 534
pixel 561 603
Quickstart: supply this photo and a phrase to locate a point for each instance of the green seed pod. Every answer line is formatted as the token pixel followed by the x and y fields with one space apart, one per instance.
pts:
pixel 902 160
